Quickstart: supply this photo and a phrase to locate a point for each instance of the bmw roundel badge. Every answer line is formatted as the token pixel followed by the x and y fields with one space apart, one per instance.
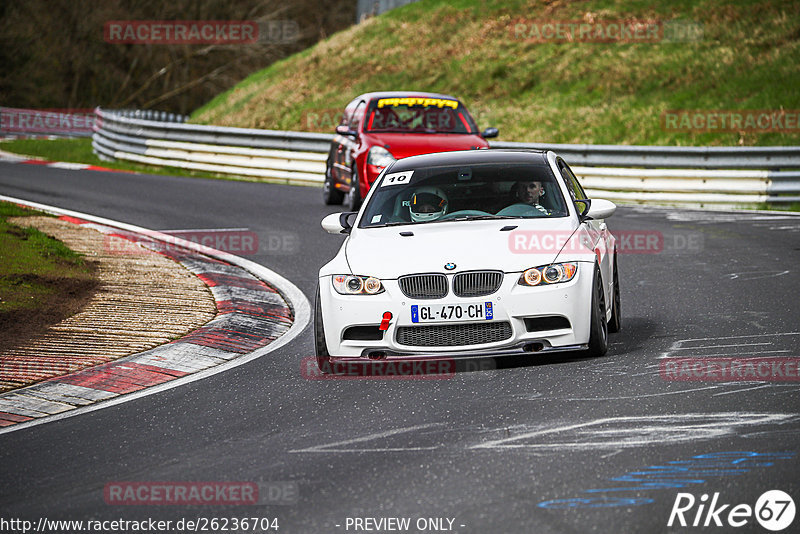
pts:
pixel 450 266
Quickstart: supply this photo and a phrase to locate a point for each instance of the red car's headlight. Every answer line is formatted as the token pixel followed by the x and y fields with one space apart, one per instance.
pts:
pixel 380 157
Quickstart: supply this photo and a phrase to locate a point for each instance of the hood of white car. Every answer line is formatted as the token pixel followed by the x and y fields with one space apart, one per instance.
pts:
pixel 470 245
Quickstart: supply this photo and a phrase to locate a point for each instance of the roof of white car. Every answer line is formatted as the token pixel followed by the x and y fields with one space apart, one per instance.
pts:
pixel 471 157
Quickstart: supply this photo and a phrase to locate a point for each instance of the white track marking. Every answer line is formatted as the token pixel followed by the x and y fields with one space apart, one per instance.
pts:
pixel 685 344
pixel 728 355
pixel 759 386
pixel 710 217
pixel 205 230
pixel 31 406
pixel 635 431
pixel 612 434
pixel 67 165
pixel 740 337
pixel 295 297
pixel 337 446
pixel 663 393
pixel 70 393
pixel 746 276
pixel 721 346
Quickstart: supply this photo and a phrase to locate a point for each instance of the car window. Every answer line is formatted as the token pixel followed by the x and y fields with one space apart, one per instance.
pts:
pixel 485 191
pixel 418 115
pixel 348 113
pixel 574 186
pixel 357 115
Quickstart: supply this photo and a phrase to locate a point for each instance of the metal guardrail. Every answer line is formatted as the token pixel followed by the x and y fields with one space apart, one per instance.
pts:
pixel 151 115
pixel 287 156
pixel 690 186
pixel 757 157
pixel 722 176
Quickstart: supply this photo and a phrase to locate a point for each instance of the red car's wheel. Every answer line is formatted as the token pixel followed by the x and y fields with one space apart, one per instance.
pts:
pixel 353 200
pixel 331 195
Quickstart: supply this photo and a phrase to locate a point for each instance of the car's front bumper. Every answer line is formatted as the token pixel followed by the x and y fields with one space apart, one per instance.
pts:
pixel 512 303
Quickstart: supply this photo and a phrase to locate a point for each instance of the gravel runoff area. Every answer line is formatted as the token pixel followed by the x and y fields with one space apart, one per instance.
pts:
pixel 144 299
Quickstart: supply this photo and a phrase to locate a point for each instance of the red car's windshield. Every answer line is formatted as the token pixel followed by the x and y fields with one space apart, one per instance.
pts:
pixel 418 115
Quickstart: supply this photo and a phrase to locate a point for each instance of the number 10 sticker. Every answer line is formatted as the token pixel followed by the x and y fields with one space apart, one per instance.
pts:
pixel 397 178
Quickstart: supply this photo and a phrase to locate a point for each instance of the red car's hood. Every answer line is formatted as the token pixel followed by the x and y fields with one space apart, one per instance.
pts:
pixel 412 144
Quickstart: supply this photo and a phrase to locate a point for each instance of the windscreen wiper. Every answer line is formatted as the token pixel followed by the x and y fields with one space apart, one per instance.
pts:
pixel 479 218
pixel 384 225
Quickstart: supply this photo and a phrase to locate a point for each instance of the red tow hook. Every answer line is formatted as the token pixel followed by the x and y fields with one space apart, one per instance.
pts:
pixel 387 316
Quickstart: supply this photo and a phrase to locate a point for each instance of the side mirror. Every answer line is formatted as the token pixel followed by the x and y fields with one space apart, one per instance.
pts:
pixel 490 132
pixel 583 205
pixel 598 209
pixel 339 223
pixel 344 130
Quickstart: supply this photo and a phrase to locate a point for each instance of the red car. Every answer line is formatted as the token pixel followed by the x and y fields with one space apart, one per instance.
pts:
pixel 378 128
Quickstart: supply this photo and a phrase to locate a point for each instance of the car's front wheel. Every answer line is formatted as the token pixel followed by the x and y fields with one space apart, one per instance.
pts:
pixel 598 331
pixel 323 357
pixel 331 195
pixel 353 201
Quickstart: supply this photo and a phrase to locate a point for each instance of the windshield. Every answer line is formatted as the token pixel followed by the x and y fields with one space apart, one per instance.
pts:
pixel 486 191
pixel 418 115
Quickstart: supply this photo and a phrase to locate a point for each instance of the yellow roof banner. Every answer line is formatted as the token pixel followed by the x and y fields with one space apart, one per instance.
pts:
pixel 417 101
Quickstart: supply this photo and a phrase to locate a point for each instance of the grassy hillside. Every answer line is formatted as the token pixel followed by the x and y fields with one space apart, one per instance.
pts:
pixel 41 280
pixel 746 59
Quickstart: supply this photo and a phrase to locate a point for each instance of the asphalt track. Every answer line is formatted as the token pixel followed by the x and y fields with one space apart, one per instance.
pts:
pixel 535 444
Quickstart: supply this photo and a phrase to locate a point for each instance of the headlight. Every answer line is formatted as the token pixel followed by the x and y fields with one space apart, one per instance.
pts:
pixel 379 156
pixel 548 274
pixel 348 284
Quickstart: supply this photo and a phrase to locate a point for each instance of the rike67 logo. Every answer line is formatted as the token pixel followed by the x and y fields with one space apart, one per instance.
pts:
pixel 774 510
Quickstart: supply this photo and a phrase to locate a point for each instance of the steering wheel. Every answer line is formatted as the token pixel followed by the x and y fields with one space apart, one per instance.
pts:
pixel 464 213
pixel 521 210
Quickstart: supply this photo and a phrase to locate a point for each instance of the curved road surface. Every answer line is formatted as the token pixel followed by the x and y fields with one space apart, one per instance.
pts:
pixel 536 444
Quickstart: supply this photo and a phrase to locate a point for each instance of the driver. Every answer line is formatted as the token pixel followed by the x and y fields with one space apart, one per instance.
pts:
pixel 529 193
pixel 427 204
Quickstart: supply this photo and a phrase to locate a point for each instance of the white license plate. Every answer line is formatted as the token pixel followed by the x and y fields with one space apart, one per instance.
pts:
pixel 477 311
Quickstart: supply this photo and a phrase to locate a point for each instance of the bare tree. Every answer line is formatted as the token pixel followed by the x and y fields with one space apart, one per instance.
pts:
pixel 54 54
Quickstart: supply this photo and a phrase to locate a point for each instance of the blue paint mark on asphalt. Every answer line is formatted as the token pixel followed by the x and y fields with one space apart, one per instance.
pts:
pixel 675 474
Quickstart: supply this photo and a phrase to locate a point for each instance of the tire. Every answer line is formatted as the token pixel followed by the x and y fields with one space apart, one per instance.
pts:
pixel 615 324
pixel 323 357
pixel 598 331
pixel 331 195
pixel 353 199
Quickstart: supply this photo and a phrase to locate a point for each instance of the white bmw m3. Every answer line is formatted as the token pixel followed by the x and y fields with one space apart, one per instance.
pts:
pixel 481 252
